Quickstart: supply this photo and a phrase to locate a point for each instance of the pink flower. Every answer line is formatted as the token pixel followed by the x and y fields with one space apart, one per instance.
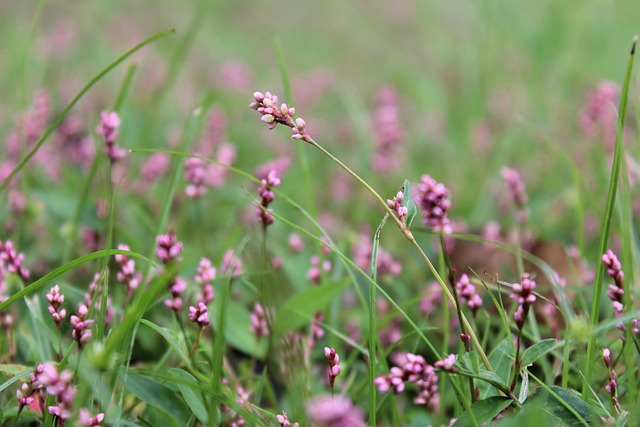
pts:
pixel 266 197
pixel 259 326
pixel 168 248
pixel 334 367
pixel 336 411
pixel 517 189
pixel 433 196
pixel 81 332
pixel 56 299
pixel 447 364
pixel 199 314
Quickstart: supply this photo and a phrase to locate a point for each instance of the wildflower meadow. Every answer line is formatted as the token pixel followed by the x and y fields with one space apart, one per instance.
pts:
pixel 332 214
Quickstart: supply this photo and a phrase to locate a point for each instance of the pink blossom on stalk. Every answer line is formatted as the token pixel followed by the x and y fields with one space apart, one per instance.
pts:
pixel 204 276
pixel 266 197
pixel 108 129
pixel 199 314
pixel 447 364
pixel 195 172
pixel 155 166
pixel 295 243
pixel 467 294
pixel 433 196
pixel 334 367
pixel 616 290
pixel 259 326
pixel 95 287
pixel 29 392
pixel 389 131
pixel 176 290
pixel 362 251
pixel 127 274
pixel 267 105
pixel 517 189
pixel 396 204
pixel 279 165
pixel 231 264
pixel 86 420
pixel 600 113
pixel 612 387
pixel 415 370
pixel 283 420
pixel 11 261
pixel 56 299
pixel 81 332
pixel 57 384
pixel 317 268
pixel 334 411
pixel 168 247
pixel 523 294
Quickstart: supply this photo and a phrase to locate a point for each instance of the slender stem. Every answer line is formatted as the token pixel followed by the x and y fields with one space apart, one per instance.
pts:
pixel 407 233
pixel 517 363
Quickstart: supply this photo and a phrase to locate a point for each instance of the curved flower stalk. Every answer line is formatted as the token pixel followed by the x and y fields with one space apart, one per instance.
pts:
pixel 266 105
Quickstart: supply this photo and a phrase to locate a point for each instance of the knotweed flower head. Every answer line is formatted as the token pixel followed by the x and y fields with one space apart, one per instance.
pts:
pixel 283 420
pixel 317 268
pixel 433 196
pixel 362 252
pixel 176 290
pixel 204 276
pixel 127 274
pixel 57 384
pixel 198 314
pixel 81 326
pixel 600 112
pixel 616 290
pixel 447 364
pixel 517 190
pixel 56 299
pixel 396 204
pixel 389 132
pixel 86 420
pixel 109 130
pixel 334 367
pixel 259 326
pixel 11 260
pixel 267 105
pixel 266 197
pixel 231 264
pixel 467 294
pixel 523 294
pixel 168 247
pixel 334 411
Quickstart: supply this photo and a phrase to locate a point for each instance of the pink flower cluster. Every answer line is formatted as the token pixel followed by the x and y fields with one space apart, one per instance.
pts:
pixel 516 188
pixel 11 261
pixel 86 420
pixel 199 315
pixel 283 420
pixel 127 274
pixel 57 384
pixel 204 276
pixel 267 105
pixel 334 367
pixel 415 370
pixel 168 247
pixel 433 196
pixel 447 364
pixel 80 324
pixel 389 131
pixel 522 293
pixel 202 175
pixel 29 392
pixel 362 250
pixel 176 290
pixel 259 326
pixel 467 294
pixel 334 411
pixel 396 204
pixel 600 112
pixel 108 129
pixel 612 386
pixel 318 266
pixel 56 299
pixel 616 290
pixel 266 197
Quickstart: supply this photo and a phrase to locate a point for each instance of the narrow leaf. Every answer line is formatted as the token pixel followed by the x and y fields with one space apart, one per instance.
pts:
pixel 564 407
pixel 159 396
pixel 484 411
pixel 409 203
pixel 171 339
pixel 538 350
pixel 187 384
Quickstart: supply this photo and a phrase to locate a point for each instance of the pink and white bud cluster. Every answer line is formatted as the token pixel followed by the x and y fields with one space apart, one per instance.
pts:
pixel 127 274
pixel 109 130
pixel 57 384
pixel 86 420
pixel 415 370
pixel 616 290
pixel 599 116
pixel 267 105
pixel 283 420
pixel 317 268
pixel 201 175
pixel 362 251
pixel 433 196
pixel 204 276
pixel 447 364
pixel 231 264
pixel 522 293
pixel 176 289
pixel 11 261
pixel 389 131
pixel 168 247
pixel 56 299
pixel 517 189
pixel 334 411
pixel 81 326
pixel 316 330
pixel 396 204
pixel 259 326
pixel 29 392
pixel 199 314
pixel 266 197
pixel 467 294
pixel 334 367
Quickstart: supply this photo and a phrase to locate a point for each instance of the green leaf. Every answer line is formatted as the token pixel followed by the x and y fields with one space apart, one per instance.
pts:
pixel 171 338
pixel 188 386
pixel 556 401
pixel 484 410
pixel 501 359
pixel 12 369
pixel 238 334
pixel 471 361
pixel 15 378
pixel 538 350
pixel 299 310
pixel 409 203
pixel 159 396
